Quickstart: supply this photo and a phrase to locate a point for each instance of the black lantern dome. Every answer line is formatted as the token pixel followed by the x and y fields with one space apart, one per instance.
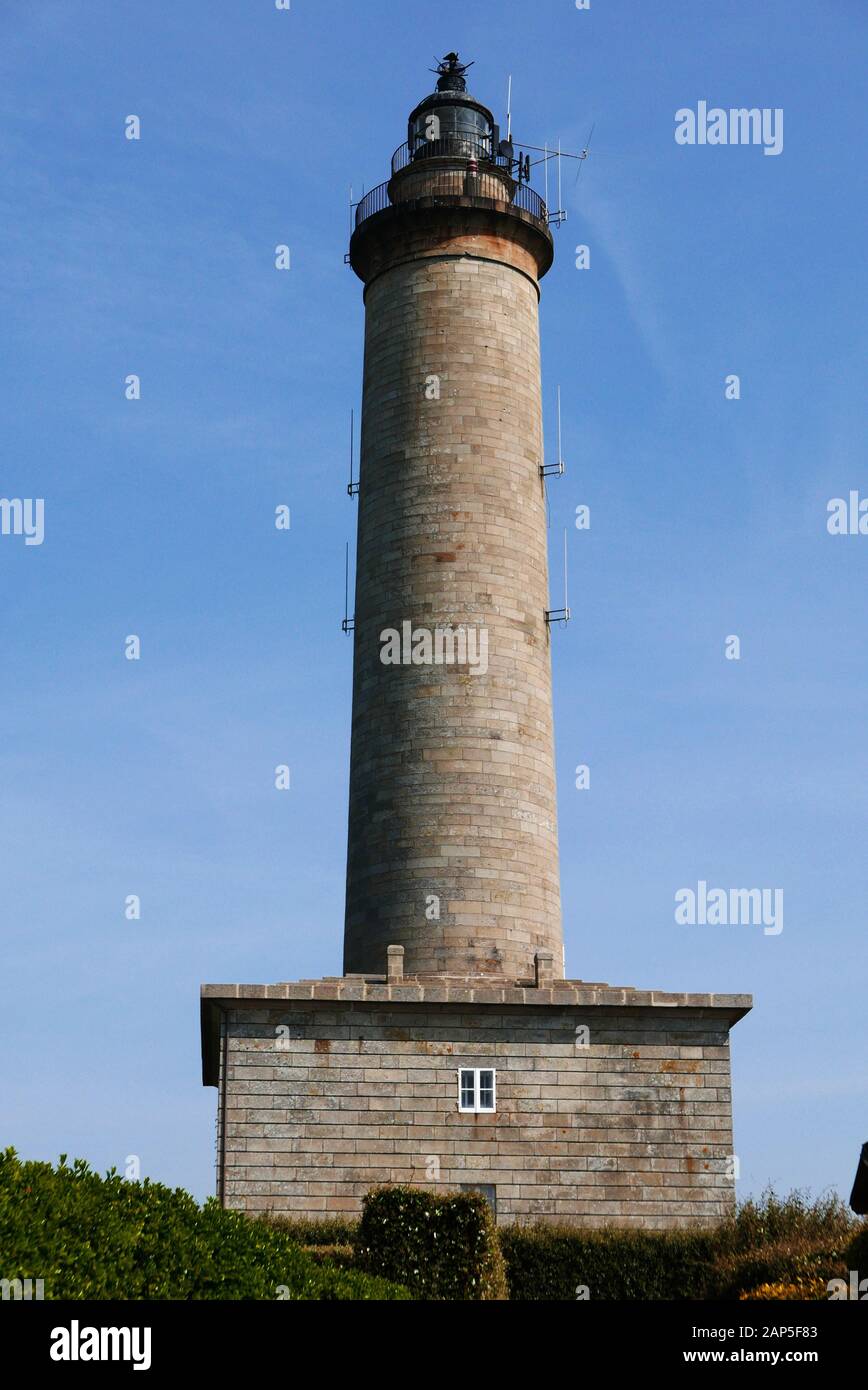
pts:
pixel 450 121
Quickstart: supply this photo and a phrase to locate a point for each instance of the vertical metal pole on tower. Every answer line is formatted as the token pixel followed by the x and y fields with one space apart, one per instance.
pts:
pixel 566 593
pixel 560 201
pixel 352 443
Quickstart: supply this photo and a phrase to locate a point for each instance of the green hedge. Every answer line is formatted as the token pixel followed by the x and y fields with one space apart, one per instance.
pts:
pixel 787 1262
pixel 773 1241
pixel 559 1262
pixel 824 1221
pixel 309 1231
pixel 440 1247
pixel 89 1237
pixel 342 1256
pixel 770 1241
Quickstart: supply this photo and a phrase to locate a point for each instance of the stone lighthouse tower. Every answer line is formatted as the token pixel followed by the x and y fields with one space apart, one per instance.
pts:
pixel 452 1053
pixel 453 822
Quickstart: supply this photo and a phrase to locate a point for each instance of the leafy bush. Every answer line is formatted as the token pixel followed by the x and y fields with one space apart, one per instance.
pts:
pixel 441 1247
pixel 332 1230
pixel 793 1240
pixel 556 1262
pixel 344 1256
pixel 786 1262
pixel 772 1241
pixel 824 1221
pixel 89 1237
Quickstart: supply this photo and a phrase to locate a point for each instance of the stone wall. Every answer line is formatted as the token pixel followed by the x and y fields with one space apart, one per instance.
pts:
pixel 634 1128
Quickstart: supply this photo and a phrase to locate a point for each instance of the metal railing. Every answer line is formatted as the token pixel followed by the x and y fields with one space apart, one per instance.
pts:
pixel 469 145
pixel 530 201
pixel 377 200
pixel 451 184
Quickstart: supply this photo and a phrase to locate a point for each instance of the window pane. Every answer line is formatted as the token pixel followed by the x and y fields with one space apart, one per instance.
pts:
pixel 486 1090
pixel 467 1090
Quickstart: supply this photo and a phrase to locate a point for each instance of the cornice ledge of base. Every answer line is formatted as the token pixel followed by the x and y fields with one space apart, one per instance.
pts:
pixel 563 993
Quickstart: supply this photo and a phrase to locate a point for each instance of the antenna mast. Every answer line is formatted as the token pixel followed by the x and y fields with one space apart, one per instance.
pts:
pixel 560 450
pixel 561 615
pixel 352 488
pixel 348 624
pixel 560 199
pixel 555 470
pixel 566 594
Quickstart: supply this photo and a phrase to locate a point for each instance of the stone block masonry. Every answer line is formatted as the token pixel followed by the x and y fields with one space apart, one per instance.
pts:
pixel 453 783
pixel 452 786
pixel 328 1088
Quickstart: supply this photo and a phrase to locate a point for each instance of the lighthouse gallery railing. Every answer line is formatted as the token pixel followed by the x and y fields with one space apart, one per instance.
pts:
pixel 456 183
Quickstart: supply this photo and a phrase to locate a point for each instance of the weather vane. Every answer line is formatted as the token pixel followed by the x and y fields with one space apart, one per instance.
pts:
pixel 450 73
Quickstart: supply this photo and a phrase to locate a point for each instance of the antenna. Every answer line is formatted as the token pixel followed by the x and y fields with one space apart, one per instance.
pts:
pixel 586 151
pixel 560 199
pixel 566 593
pixel 509 108
pixel 348 624
pixel 561 615
pixel 560 450
pixel 554 218
pixel 560 216
pixel 350 221
pixel 555 470
pixel 352 488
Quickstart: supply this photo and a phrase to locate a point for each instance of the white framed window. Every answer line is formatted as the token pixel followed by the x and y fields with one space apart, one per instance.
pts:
pixel 476 1090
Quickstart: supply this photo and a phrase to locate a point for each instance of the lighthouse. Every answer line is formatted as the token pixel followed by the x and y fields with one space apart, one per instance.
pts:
pixel 452 848
pixel 452 1053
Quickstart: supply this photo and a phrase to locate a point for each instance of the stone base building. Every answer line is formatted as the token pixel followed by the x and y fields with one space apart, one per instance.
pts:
pixel 609 1105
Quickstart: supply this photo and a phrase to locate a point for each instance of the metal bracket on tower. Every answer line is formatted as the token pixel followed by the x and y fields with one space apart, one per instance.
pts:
pixel 352 487
pixel 561 615
pixel 349 623
pixel 555 470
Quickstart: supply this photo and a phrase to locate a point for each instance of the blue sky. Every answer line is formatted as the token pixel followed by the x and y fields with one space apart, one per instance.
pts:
pixel 708 518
